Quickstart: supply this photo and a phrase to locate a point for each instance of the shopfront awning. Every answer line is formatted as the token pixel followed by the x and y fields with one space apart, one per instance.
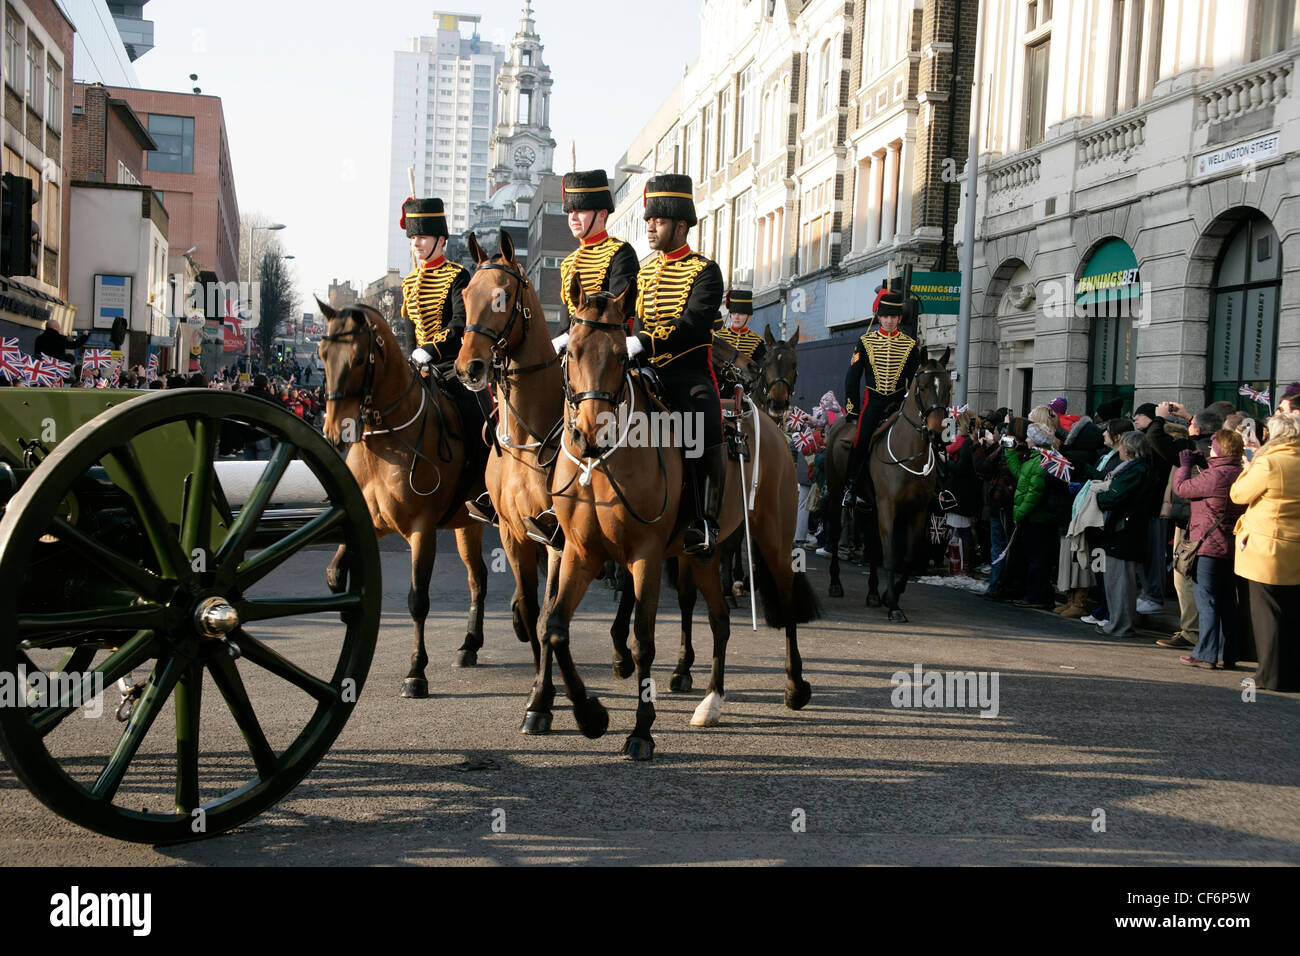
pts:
pixel 1110 275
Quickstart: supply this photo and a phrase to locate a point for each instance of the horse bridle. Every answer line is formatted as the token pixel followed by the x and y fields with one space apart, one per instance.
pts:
pixel 770 364
pixel 925 411
pixel 375 347
pixel 574 400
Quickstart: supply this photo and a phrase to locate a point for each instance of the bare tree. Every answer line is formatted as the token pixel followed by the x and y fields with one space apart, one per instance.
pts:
pixel 279 300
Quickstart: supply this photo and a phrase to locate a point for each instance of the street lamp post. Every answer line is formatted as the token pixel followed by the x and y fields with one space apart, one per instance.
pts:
pixel 252 233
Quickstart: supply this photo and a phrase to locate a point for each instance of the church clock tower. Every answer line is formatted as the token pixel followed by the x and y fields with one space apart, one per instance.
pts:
pixel 522 147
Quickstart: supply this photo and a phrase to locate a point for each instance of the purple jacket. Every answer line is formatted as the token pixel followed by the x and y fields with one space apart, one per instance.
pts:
pixel 1208 493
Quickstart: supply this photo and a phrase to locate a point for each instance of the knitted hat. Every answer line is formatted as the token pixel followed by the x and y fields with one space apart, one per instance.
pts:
pixel 1038 435
pixel 588 189
pixel 1108 410
pixel 1058 405
pixel 1148 409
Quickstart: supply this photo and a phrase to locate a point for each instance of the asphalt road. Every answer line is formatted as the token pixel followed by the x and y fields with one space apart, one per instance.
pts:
pixel 1089 729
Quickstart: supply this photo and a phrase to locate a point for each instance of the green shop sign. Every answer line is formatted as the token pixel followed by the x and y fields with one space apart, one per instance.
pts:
pixel 1110 275
pixel 939 292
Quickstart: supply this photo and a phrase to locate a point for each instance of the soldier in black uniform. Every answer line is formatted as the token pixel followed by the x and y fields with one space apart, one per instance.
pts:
pixel 887 359
pixel 679 293
pixel 605 264
pixel 734 328
pixel 432 299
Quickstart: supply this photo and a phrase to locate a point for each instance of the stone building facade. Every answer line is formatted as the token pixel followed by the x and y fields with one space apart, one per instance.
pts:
pixel 1137 195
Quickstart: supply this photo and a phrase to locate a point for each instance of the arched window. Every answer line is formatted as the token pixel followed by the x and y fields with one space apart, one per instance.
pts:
pixel 824 84
pixel 1109 293
pixel 1244 314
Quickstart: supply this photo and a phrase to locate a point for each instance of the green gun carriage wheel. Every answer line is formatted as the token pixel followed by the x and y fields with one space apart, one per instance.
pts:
pixel 130 508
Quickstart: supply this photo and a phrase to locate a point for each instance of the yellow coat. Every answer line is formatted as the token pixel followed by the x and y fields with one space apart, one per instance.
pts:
pixel 1268 534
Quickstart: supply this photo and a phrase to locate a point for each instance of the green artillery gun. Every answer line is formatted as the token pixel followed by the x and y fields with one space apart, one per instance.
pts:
pixel 134 553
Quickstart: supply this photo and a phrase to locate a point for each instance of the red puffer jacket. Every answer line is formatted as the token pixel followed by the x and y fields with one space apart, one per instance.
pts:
pixel 1208 493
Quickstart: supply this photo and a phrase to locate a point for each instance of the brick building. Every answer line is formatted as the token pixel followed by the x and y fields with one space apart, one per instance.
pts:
pixel 191 169
pixel 109 140
pixel 37 58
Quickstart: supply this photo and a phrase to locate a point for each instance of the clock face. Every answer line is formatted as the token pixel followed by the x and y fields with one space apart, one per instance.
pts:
pixel 525 156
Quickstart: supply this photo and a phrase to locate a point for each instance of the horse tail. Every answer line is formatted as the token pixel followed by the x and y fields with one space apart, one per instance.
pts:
pixel 803 602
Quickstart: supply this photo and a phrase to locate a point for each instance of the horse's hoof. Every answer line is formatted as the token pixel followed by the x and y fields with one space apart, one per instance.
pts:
pixel 836 589
pixel 592 718
pixel 638 748
pixel 536 722
pixel 896 616
pixel 466 657
pixel 680 683
pixel 801 695
pixel 873 600
pixel 415 688
pixel 738 590
pixel 709 712
pixel 623 666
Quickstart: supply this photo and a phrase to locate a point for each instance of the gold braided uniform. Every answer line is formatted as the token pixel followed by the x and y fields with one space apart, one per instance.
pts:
pixel 431 298
pixel 744 341
pixel 677 297
pixel 604 265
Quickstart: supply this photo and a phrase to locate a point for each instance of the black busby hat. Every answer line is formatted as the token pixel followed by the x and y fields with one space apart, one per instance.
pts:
pixel 888 302
pixel 424 217
pixel 670 196
pixel 740 301
pixel 586 190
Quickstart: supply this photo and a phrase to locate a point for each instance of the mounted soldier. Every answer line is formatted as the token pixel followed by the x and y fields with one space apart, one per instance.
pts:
pixel 678 296
pixel 734 326
pixel 887 359
pixel 431 299
pixel 602 264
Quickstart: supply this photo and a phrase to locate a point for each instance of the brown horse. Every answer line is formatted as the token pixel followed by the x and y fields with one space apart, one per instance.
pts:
pixel 506 346
pixel 408 454
pixel 774 384
pixel 617 498
pixel 905 471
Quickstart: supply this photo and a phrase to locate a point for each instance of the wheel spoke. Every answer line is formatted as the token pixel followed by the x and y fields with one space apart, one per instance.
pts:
pixel 196 525
pixel 226 676
pixel 262 655
pixel 118 664
pixel 251 513
pixel 145 582
pixel 287 607
pixel 161 682
pixel 135 617
pixel 270 558
pixel 171 560
pixel 189 695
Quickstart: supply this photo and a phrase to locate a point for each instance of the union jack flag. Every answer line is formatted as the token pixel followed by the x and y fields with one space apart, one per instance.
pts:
pixel 939 530
pixel 11 359
pixel 1055 464
pixel 809 441
pixel 955 410
pixel 61 368
pixel 1261 398
pixel 97 359
pixel 151 372
pixel 114 377
pixel 44 373
pixel 796 419
pixel 30 366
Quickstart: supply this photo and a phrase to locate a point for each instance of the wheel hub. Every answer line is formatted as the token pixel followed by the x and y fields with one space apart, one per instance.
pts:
pixel 215 618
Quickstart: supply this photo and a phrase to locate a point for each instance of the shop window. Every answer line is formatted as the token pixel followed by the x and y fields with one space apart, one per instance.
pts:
pixel 1244 315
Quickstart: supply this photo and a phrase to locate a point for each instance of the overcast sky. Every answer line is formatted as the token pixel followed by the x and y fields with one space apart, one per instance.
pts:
pixel 307 93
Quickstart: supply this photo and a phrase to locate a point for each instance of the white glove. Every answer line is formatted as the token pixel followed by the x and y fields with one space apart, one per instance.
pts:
pixel 634 346
pixel 559 342
pixel 421 357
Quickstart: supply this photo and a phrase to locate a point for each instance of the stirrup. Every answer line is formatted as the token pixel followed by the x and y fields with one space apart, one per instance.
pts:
pixel 482 509
pixel 552 537
pixel 700 539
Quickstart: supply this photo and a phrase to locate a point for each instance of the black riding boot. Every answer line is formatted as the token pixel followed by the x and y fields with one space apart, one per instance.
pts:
pixel 710 477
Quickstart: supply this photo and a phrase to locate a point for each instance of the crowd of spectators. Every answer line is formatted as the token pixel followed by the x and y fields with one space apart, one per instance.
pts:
pixel 1094 517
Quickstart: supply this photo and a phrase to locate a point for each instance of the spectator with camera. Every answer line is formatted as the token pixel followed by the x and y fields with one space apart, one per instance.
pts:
pixel 999 495
pixel 1210 537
